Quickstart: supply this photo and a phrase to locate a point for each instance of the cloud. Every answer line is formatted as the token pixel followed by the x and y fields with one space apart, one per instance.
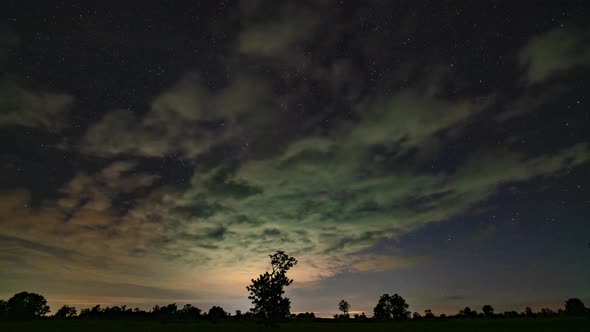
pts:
pixel 35 109
pixel 555 51
pixel 377 263
pixel 276 36
pixel 186 119
pixel 88 199
pixel 24 106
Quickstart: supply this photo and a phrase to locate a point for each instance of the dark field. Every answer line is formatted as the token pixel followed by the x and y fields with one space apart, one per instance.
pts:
pixel 536 325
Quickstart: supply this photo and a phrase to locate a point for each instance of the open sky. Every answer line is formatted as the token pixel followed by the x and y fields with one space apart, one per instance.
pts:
pixel 158 152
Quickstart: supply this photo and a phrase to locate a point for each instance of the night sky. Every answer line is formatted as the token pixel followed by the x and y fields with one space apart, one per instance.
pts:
pixel 158 153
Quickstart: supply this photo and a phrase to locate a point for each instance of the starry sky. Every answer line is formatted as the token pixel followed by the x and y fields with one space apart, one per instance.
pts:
pixel 157 153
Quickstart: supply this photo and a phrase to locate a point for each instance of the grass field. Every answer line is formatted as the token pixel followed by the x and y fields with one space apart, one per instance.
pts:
pixel 533 325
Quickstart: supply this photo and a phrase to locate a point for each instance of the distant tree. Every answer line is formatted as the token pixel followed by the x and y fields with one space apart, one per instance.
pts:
pixel 169 310
pixel 66 312
pixel 305 315
pixel 391 307
pixel 529 312
pixel 488 310
pixel 26 305
pixel 238 314
pixel 344 306
pixel 428 314
pixel 416 315
pixel 443 316
pixel 190 312
pixel 267 291
pixel 466 312
pixel 216 313
pixel 574 307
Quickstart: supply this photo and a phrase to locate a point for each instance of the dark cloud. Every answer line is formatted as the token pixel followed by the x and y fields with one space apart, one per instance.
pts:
pixel 24 106
pixel 555 52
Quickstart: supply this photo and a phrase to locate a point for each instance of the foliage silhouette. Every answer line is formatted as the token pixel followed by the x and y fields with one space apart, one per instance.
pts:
pixel 574 307
pixel 344 306
pixel 216 313
pixel 488 310
pixel 190 312
pixel 467 312
pixel 361 316
pixel 391 307
pixel 304 315
pixel 267 291
pixel 25 305
pixel 66 312
pixel 28 306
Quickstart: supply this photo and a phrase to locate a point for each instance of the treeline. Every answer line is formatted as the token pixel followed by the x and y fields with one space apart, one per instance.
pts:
pixel 27 306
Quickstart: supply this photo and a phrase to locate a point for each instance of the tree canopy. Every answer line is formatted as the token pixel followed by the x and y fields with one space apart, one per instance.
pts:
pixel 25 305
pixel 391 307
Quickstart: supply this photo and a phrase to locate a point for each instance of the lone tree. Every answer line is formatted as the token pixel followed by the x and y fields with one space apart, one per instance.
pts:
pixel 488 310
pixel 344 307
pixel 391 307
pixel 266 292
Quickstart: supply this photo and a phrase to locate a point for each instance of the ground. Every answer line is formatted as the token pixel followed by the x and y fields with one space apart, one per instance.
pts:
pixel 536 325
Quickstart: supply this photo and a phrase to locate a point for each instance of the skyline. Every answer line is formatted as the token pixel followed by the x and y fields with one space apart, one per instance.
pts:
pixel 158 154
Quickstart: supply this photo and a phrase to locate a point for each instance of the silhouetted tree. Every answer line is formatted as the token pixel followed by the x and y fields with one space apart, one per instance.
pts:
pixel 574 307
pixel 416 315
pixel 190 312
pixel 467 312
pixel 66 312
pixel 361 316
pixel 266 292
pixel 305 315
pixel 344 306
pixel 488 310
pixel 391 307
pixel 26 305
pixel 428 314
pixel 529 312
pixel 216 313
pixel 238 315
